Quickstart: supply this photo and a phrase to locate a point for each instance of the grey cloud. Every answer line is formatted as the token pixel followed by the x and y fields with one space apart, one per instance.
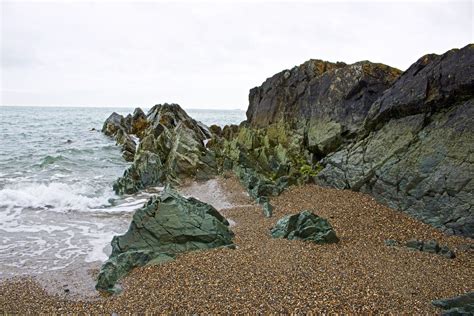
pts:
pixel 205 54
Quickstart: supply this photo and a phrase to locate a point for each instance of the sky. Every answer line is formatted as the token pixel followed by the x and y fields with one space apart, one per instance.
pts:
pixel 203 54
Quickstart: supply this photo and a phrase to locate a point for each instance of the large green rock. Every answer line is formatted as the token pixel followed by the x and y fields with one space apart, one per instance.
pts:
pixel 166 225
pixel 305 226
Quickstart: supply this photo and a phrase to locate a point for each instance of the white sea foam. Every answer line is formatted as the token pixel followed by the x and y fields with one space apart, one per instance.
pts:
pixel 55 195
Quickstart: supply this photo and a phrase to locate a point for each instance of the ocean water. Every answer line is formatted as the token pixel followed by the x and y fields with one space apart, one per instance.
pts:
pixel 57 207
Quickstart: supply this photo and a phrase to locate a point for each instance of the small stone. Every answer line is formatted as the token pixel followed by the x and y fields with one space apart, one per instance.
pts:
pixel 446 252
pixel 414 244
pixel 391 242
pixel 431 246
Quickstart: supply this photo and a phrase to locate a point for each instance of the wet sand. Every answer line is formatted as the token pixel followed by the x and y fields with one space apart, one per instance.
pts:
pixel 360 274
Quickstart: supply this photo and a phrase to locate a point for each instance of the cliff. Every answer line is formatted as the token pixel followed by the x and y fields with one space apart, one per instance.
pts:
pixel 405 138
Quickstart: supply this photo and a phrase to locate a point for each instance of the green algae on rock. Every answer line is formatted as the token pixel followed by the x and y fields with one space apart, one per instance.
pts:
pixel 305 226
pixel 172 149
pixel 166 225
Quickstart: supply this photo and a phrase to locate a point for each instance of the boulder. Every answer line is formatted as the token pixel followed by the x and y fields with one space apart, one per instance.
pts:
pixel 305 226
pixel 166 225
pixel 459 305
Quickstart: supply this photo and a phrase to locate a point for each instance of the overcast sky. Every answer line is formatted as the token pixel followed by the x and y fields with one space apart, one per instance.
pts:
pixel 203 54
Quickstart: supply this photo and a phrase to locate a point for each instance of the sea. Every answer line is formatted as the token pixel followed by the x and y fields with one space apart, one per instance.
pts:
pixel 57 207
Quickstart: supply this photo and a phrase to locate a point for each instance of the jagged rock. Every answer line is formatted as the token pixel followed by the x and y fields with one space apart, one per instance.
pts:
pixel 415 155
pixel 459 305
pixel 216 130
pixel 305 226
pixel 118 127
pixel 165 226
pixel 172 149
pixel 112 124
pixel 330 101
pixel 139 123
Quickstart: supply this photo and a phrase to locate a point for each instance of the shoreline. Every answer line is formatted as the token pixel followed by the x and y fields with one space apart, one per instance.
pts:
pixel 359 274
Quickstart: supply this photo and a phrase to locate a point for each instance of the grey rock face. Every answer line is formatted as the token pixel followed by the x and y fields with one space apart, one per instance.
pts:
pixel 406 139
pixel 417 154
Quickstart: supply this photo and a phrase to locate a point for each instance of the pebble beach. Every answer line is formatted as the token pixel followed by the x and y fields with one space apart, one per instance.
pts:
pixel 360 274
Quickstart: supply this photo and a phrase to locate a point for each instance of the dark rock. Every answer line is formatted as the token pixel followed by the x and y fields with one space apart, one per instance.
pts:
pixel 216 130
pixel 391 242
pixel 138 123
pixel 166 225
pixel 413 156
pixel 431 246
pixel 112 124
pixel 459 305
pixel 446 252
pixel 305 226
pixel 414 244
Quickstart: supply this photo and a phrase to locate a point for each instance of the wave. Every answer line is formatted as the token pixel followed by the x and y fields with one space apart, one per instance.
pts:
pixel 49 160
pixel 53 196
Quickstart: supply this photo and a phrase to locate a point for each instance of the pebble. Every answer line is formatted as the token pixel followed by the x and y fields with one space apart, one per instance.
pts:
pixel 358 275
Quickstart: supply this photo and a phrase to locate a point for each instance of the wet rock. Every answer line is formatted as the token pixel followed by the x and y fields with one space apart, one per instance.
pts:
pixel 168 224
pixel 459 305
pixel 305 226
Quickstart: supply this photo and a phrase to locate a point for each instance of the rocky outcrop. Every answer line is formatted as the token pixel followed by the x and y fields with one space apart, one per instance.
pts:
pixel 416 155
pixel 328 102
pixel 165 226
pixel 171 149
pixel 404 138
pixel 305 226
pixel 459 305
